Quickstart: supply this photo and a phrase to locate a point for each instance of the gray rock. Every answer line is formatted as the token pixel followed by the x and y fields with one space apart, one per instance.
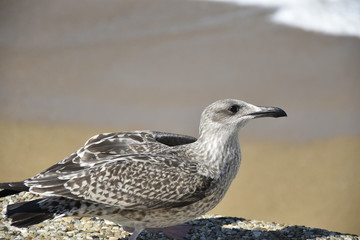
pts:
pixel 206 227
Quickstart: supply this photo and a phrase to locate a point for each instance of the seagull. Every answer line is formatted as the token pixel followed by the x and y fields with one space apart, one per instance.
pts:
pixel 142 179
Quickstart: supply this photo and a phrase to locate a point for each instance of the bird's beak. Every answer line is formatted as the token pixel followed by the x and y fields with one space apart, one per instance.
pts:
pixel 268 112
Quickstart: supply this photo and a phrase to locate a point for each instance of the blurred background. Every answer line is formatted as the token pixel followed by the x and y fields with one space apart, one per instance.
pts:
pixel 73 69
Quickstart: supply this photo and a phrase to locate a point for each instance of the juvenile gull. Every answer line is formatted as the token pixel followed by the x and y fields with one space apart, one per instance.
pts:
pixel 143 179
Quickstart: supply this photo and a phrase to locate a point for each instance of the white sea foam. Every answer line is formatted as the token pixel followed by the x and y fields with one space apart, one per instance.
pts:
pixel 336 17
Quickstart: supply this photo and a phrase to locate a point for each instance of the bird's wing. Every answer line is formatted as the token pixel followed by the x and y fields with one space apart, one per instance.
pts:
pixel 110 146
pixel 140 181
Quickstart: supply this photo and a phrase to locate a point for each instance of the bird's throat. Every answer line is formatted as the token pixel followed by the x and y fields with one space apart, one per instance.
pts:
pixel 222 155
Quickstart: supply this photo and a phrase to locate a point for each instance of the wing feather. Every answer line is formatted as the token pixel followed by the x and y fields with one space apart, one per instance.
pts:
pixel 132 182
pixel 110 146
pixel 128 170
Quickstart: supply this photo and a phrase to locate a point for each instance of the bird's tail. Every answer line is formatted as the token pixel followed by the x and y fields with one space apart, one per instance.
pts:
pixel 25 214
pixel 12 188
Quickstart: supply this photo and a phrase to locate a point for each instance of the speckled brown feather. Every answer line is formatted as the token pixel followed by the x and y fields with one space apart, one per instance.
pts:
pixel 143 179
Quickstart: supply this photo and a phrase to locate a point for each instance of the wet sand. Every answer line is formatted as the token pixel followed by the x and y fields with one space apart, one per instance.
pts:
pixel 158 64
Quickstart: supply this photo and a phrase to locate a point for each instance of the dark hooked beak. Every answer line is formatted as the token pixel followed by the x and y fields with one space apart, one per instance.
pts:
pixel 268 112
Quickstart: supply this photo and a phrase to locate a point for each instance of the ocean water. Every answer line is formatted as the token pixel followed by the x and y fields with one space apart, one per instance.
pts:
pixel 336 17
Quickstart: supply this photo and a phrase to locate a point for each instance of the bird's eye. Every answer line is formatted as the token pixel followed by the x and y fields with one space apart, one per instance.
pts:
pixel 234 108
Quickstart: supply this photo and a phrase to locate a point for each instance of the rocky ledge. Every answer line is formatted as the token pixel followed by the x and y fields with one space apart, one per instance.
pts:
pixel 206 227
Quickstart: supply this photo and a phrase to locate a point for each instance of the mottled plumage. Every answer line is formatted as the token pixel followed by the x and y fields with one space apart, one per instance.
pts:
pixel 142 179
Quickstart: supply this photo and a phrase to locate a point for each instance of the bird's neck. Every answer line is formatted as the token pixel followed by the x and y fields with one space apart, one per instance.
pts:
pixel 221 151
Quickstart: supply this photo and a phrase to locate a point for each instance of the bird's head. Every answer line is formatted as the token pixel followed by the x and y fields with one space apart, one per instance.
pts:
pixel 230 115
